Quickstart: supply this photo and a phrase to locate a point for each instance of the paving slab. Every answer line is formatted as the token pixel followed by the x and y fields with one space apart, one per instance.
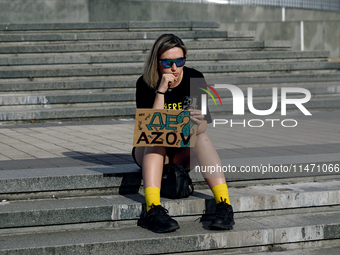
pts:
pixel 88 142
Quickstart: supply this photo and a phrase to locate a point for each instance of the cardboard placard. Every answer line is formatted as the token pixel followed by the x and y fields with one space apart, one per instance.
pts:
pixel 168 128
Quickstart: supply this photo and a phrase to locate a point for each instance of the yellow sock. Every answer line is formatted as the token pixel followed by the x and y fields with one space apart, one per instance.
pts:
pixel 221 191
pixel 152 196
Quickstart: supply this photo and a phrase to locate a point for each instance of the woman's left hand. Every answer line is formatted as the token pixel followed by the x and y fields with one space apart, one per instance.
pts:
pixel 197 116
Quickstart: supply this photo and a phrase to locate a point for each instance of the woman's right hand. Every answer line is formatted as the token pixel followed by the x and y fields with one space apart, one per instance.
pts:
pixel 166 81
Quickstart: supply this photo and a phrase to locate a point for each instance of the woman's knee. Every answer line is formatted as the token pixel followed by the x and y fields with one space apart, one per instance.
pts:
pixel 139 152
pixel 202 139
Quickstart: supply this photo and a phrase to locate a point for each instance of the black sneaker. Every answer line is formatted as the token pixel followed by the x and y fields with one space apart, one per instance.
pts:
pixel 157 220
pixel 224 217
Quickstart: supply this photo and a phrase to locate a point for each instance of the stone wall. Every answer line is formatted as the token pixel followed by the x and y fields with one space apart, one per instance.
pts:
pixel 318 35
pixel 102 10
pixel 43 11
pixel 31 11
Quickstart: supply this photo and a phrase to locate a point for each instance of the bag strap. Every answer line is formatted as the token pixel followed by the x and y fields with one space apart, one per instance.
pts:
pixel 181 168
pixel 191 185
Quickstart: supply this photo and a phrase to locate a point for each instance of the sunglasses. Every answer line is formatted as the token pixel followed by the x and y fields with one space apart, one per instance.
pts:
pixel 167 63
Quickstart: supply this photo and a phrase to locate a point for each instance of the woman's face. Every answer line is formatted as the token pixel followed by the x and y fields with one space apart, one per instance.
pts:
pixel 173 53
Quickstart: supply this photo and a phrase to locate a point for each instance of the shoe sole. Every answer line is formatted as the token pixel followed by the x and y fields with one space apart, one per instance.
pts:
pixel 172 229
pixel 159 230
pixel 219 227
pixel 222 227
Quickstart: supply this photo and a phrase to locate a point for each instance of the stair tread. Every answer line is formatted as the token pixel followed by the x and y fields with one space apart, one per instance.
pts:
pixel 68 178
pixel 211 78
pixel 135 45
pixel 107 25
pixel 67 108
pixel 189 64
pixel 87 99
pixel 192 236
pixel 72 70
pixel 313 251
pixel 118 35
pixel 291 192
pixel 320 53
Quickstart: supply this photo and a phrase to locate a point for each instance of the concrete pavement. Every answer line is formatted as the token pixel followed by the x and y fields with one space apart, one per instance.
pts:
pixel 109 142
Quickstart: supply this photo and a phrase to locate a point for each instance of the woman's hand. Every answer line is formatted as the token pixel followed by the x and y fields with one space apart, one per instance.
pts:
pixel 196 116
pixel 166 81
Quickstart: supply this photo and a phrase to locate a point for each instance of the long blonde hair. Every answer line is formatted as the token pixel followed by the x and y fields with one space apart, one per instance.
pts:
pixel 151 74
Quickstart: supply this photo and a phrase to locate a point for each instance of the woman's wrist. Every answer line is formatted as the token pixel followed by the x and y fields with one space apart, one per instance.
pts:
pixel 159 92
pixel 201 128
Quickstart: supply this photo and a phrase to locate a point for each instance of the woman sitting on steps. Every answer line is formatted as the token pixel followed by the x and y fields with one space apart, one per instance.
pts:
pixel 164 83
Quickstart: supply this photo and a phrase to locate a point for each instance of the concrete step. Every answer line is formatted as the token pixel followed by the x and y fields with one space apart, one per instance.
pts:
pixel 112 35
pixel 106 103
pixel 127 177
pixel 127 96
pixel 70 98
pixel 317 89
pixel 32 72
pixel 265 67
pixel 111 82
pixel 329 247
pixel 115 110
pixel 95 108
pixel 65 84
pixel 279 80
pixel 317 103
pixel 137 45
pixel 114 25
pixel 99 111
pixel 194 55
pixel 247 201
pixel 192 236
